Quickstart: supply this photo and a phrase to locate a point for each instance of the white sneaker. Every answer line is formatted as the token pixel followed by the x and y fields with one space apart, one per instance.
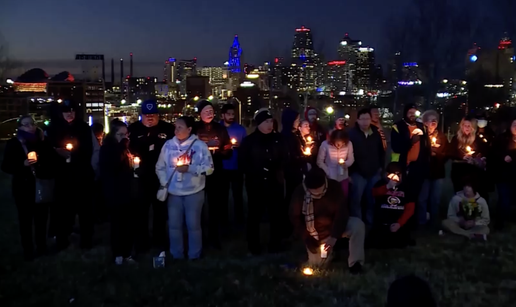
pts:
pixel 163 254
pixel 130 260
pixel 119 260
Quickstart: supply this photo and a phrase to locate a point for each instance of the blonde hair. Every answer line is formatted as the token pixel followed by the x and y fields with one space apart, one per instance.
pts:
pixel 466 140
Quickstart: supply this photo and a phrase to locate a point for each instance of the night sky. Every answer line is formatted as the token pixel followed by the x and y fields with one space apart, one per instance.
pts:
pixel 49 33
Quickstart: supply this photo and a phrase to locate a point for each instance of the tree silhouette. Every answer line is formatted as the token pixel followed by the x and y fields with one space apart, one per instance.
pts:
pixel 6 63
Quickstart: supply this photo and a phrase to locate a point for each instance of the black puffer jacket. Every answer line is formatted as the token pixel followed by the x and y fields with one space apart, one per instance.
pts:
pixel 215 135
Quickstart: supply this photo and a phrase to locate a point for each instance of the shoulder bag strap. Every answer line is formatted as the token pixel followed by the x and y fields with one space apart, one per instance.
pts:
pixel 172 175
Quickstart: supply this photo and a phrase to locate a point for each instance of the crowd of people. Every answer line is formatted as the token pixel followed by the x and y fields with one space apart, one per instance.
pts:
pixel 304 180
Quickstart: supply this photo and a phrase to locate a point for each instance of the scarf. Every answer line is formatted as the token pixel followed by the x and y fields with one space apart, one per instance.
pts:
pixel 308 209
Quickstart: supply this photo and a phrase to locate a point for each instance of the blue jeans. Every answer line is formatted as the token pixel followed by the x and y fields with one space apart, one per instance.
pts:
pixel 187 208
pixel 363 186
pixel 506 193
pixel 429 200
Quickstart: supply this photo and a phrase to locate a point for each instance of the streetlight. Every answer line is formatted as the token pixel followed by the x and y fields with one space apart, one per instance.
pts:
pixel 210 98
pixel 347 116
pixel 418 113
pixel 196 98
pixel 138 101
pixel 123 101
pixel 329 110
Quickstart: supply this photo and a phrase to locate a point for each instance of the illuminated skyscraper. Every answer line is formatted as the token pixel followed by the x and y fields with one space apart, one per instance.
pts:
pixel 302 48
pixel 235 52
pixel 348 49
pixel 365 69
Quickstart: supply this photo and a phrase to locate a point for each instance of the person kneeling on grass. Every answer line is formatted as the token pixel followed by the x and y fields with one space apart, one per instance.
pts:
pixel 468 214
pixel 394 209
pixel 320 214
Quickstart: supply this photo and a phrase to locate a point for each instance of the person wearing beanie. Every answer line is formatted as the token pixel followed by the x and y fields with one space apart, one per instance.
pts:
pixel 319 133
pixel 75 175
pixel 411 147
pixel 395 205
pixel 217 138
pixel 147 138
pixel 410 291
pixel 319 212
pixel 261 158
pixel 231 175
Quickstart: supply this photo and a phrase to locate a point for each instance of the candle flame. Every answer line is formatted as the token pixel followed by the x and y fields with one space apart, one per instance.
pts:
pixel 179 163
pixel 136 160
pixel 468 148
pixel 308 151
pixel 341 161
pixel 434 139
pixel 233 141
pixel 309 138
pixel 308 271
pixel 69 146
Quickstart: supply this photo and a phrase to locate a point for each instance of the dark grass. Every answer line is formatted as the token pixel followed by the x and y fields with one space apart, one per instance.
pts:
pixel 460 274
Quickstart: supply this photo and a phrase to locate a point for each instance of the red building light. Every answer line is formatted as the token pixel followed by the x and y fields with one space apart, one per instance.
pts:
pixel 337 63
pixel 276 60
pixel 302 29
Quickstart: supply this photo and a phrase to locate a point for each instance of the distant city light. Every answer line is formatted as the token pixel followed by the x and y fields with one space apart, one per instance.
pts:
pixel 473 58
pixel 59 100
pixel 226 63
pixel 9 81
pixel 342 93
pixel 210 98
pixel 196 98
pixel 409 83
pixel 90 120
pixel 364 49
pixel 445 81
pixel 124 119
pixel 410 64
pixel 347 116
pixel 343 43
pixel 418 113
pixel 247 84
pixel 138 101
pixel 46 122
pixel 123 101
pixel 497 105
pixel 302 29
pixel 171 60
pixel 253 76
pixel 360 43
pixel 337 63
pixel 329 110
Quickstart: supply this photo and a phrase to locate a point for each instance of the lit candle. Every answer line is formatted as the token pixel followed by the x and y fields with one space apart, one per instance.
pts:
pixel 308 271
pixel 69 147
pixel 233 141
pixel 341 168
pixel 324 252
pixel 136 164
pixel 469 151
pixel 434 141
pixel 32 156
pixel 308 151
pixel 179 175
pixel 309 139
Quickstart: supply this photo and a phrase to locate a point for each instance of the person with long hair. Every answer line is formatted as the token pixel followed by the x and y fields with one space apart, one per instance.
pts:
pixel 430 195
pixel 335 157
pixel 504 166
pixel 466 154
pixel 29 156
pixel 182 167
pixel 120 190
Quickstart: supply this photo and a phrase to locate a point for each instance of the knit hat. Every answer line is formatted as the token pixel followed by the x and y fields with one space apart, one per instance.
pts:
pixel 203 104
pixel 262 115
pixel 408 107
pixel 67 105
pixel 150 106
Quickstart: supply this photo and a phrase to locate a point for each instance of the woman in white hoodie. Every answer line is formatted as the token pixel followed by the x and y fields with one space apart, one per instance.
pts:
pixel 336 156
pixel 182 167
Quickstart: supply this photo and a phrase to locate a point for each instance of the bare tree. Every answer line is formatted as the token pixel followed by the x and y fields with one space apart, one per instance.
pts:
pixel 436 35
pixel 6 63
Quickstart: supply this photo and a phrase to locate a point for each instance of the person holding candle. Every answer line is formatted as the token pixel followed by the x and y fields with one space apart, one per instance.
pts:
pixel 232 177
pixel 369 163
pixel 318 132
pixel 26 157
pixel 307 140
pixel 320 215
pixel 430 195
pixel 394 211
pixel 217 138
pixel 465 151
pixel 73 140
pixel 120 190
pixel 262 158
pixel 299 159
pixel 147 137
pixel 335 157
pixel 182 167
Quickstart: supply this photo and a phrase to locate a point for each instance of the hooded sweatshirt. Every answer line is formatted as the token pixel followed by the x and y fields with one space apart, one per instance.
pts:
pixel 199 161
pixel 456 209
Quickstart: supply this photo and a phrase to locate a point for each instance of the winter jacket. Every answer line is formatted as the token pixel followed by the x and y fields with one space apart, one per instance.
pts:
pixel 455 209
pixel 297 161
pixel 439 157
pixel 262 158
pixel 367 150
pixel 238 133
pixel 503 146
pixel 146 143
pixel 198 159
pixel 329 157
pixel 401 143
pixel 216 136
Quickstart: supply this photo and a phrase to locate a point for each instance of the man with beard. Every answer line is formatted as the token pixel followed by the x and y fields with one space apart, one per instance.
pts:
pixel 317 131
pixel 217 138
pixel 147 137
pixel 232 176
pixel 262 158
pixel 73 141
pixel 411 148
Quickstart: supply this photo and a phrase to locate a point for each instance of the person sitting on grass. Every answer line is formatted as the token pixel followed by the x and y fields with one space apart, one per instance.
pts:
pixel 468 214
pixel 394 210
pixel 319 213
